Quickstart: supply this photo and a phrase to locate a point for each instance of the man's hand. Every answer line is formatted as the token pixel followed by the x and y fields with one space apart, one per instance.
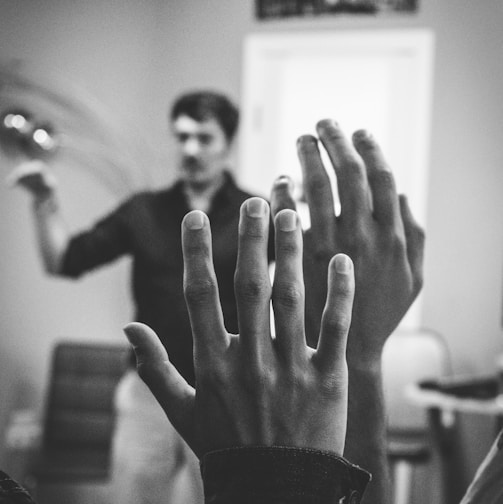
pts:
pixel 252 389
pixel 35 177
pixel 375 228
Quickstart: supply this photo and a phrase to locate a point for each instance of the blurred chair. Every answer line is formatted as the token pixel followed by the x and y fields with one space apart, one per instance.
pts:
pixel 410 356
pixel 79 415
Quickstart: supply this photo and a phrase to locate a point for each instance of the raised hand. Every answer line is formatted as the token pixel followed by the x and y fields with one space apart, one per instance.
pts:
pixel 377 230
pixel 252 389
pixel 35 177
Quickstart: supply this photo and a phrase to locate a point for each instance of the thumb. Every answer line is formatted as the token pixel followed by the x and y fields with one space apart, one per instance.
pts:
pixel 171 390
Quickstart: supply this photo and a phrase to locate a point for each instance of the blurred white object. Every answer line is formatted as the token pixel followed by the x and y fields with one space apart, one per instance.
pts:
pixel 24 430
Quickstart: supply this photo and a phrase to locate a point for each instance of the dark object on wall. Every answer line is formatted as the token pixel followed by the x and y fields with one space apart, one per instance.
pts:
pixel 287 8
pixel 481 387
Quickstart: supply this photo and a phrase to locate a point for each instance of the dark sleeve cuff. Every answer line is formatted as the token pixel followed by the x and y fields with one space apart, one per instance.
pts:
pixel 280 475
pixel 11 492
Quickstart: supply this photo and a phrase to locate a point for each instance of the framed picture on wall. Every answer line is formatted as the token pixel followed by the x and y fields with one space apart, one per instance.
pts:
pixel 286 8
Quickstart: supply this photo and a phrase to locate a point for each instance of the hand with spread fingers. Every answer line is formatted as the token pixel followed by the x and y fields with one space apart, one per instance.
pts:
pixel 268 413
pixel 253 390
pixel 377 230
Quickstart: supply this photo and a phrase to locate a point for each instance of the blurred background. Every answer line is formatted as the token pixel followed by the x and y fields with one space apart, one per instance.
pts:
pixel 105 71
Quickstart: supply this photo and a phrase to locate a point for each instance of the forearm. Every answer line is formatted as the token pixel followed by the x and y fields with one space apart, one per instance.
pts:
pixel 366 433
pixel 52 234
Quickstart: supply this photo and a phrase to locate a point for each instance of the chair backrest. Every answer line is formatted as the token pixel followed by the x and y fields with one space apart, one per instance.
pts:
pixel 411 356
pixel 79 407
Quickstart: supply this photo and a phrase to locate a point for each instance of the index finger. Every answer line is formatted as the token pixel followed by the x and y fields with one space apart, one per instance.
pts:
pixel 318 191
pixel 336 318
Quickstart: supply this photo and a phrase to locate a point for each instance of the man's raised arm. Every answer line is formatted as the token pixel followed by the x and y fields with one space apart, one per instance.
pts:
pixel 52 234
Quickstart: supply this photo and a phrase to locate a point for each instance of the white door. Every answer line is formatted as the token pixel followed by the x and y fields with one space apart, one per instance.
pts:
pixel 377 80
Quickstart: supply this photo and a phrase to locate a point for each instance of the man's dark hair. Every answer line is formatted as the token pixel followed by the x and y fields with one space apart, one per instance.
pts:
pixel 204 105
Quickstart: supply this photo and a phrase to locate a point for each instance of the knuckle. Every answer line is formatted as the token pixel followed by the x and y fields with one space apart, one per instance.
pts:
pixel 359 240
pixel 355 169
pixel 392 248
pixel 214 377
pixel 391 242
pixel 287 247
pixel 354 173
pixel 338 323
pixel 398 245
pixel 298 380
pixel 316 250
pixel 420 235
pixel 290 295
pixel 384 180
pixel 251 288
pixel 198 292
pixel 301 379
pixel 316 182
pixel 258 381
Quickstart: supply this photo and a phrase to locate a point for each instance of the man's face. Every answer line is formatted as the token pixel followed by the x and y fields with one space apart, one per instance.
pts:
pixel 202 150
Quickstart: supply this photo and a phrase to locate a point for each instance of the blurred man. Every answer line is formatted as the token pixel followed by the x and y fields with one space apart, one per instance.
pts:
pixel 147 227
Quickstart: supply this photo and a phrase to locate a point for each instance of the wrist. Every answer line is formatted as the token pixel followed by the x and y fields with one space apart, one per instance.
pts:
pixel 281 474
pixel 365 349
pixel 364 362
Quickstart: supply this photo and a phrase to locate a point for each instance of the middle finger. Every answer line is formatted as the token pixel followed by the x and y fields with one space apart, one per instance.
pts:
pixel 350 172
pixel 318 191
pixel 251 280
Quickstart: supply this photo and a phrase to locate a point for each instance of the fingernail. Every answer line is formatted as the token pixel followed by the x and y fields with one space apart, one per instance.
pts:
pixel 307 140
pixel 362 135
pixel 342 264
pixel 194 220
pixel 282 180
pixel 327 123
pixel 129 332
pixel 287 220
pixel 256 207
